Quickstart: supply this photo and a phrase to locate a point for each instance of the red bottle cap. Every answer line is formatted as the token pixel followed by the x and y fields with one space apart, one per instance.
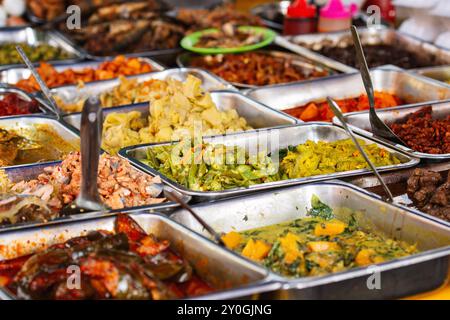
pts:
pixel 301 9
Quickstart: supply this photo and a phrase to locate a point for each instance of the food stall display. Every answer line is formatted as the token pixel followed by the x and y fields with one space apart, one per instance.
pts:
pixel 227 111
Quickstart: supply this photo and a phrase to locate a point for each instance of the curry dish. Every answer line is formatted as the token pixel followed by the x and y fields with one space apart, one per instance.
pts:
pixel 315 245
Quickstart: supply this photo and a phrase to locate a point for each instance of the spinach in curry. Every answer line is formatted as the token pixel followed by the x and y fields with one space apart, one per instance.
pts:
pixel 316 245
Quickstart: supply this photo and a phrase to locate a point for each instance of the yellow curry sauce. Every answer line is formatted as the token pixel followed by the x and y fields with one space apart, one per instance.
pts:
pixel 316 245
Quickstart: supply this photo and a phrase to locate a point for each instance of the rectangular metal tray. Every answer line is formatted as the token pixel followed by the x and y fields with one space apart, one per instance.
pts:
pixel 440 73
pixel 209 82
pixel 405 85
pixel 232 276
pixel 33 36
pixel 396 182
pixel 6 89
pixel 373 35
pixel 28 172
pixel 269 140
pixel 257 115
pixel 184 60
pixel 15 74
pixel 399 278
pixel 14 122
pixel 359 122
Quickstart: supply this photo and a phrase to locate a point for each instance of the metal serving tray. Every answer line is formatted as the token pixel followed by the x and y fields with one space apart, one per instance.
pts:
pixel 405 85
pixel 33 36
pixel 15 74
pixel 6 89
pixel 257 115
pixel 184 60
pixel 398 278
pixel 373 35
pixel 15 122
pixel 359 122
pixel 232 276
pixel 270 140
pixel 29 172
pixel 440 73
pixel 397 184
pixel 209 82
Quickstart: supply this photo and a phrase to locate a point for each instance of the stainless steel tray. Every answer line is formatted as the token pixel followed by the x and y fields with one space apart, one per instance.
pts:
pixel 209 82
pixel 257 115
pixel 15 122
pixel 359 122
pixel 399 278
pixel 184 60
pixel 271 140
pixel 405 85
pixel 440 73
pixel 396 182
pixel 28 172
pixel 15 74
pixel 6 89
pixel 231 275
pixel 374 35
pixel 33 36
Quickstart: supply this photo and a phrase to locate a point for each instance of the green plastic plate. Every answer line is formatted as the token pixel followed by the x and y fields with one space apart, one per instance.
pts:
pixel 189 41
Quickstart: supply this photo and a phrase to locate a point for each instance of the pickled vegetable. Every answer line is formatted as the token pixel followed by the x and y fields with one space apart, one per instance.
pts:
pixel 40 52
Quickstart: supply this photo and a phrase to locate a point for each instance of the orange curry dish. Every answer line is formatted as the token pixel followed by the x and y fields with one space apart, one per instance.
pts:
pixel 120 66
pixel 320 111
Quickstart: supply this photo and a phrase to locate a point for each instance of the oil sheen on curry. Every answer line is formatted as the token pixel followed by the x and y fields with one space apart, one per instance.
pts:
pixel 32 144
pixel 316 245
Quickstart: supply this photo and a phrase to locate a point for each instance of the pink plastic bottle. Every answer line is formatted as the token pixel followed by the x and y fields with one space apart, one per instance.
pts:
pixel 336 17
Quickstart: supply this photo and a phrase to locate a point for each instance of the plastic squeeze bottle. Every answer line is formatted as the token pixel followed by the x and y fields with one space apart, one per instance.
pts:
pixel 336 17
pixel 300 18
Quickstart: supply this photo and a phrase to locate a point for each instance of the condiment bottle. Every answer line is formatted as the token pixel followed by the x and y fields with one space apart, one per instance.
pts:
pixel 300 18
pixel 336 17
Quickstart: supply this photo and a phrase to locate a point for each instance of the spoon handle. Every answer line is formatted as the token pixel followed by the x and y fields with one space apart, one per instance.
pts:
pixel 45 90
pixel 90 131
pixel 335 108
pixel 175 198
pixel 365 74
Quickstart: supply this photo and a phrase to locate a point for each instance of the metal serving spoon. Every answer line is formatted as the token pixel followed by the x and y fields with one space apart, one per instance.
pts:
pixel 379 128
pixel 174 197
pixel 45 90
pixel 91 127
pixel 337 112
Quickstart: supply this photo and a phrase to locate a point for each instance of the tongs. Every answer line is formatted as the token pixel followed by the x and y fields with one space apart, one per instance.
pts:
pixel 91 127
pixel 379 128
pixel 45 90
pixel 337 112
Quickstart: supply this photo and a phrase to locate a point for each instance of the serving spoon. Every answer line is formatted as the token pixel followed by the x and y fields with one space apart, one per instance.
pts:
pixel 175 198
pixel 379 128
pixel 45 90
pixel 90 133
pixel 337 112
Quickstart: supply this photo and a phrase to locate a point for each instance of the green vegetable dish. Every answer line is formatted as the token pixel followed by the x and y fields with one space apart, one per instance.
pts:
pixel 316 245
pixel 39 52
pixel 214 167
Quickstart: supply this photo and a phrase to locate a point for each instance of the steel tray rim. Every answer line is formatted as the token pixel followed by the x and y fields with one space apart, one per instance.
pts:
pixel 263 186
